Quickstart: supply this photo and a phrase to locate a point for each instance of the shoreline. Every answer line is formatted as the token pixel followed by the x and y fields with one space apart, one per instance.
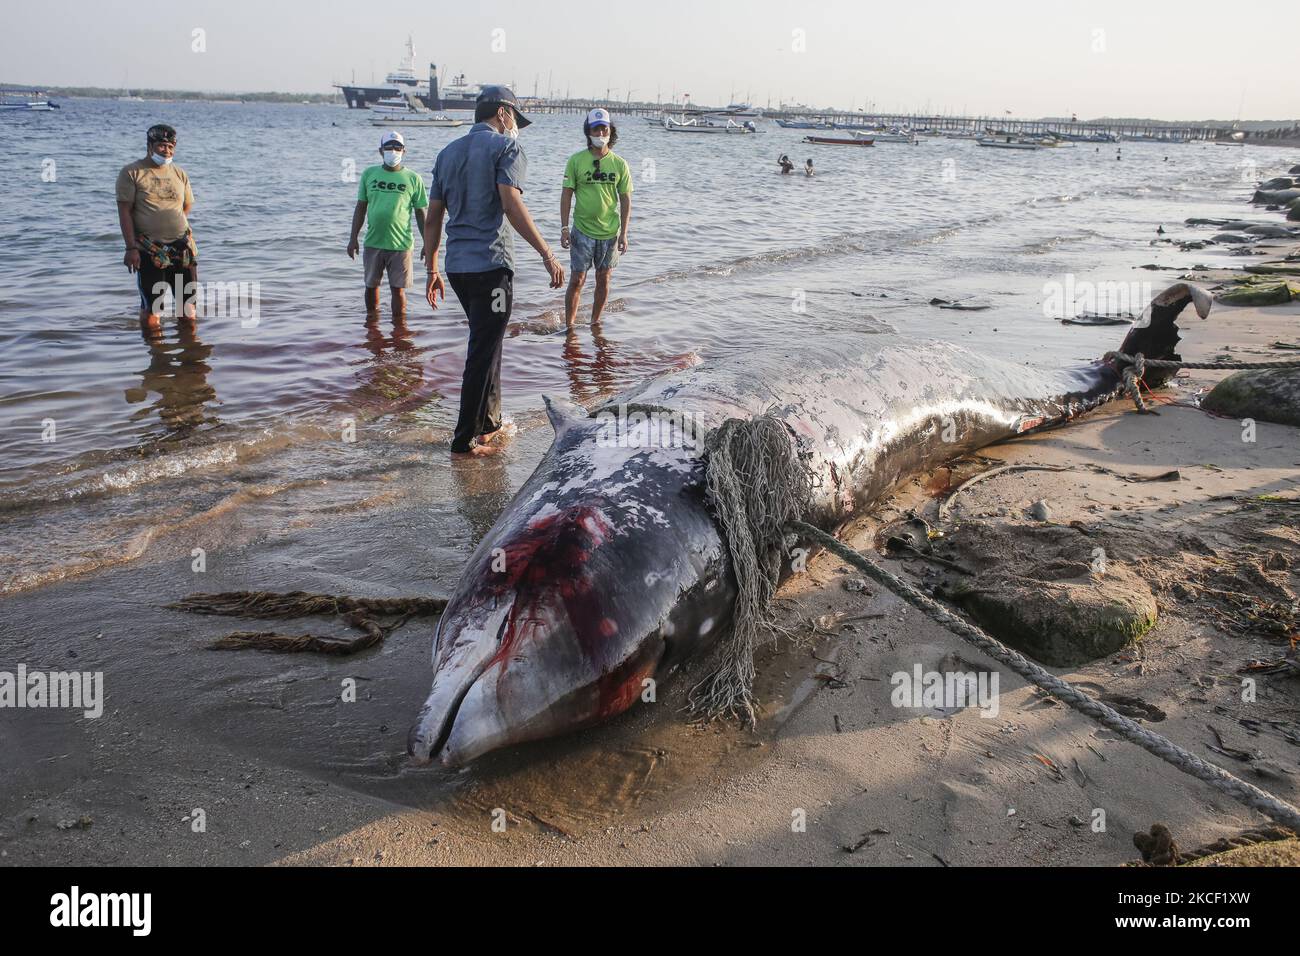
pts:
pixel 286 774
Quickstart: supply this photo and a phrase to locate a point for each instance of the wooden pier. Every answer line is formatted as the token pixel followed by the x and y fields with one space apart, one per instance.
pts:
pixel 1162 132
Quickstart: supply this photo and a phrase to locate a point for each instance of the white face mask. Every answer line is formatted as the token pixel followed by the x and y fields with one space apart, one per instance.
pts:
pixel 599 141
pixel 392 157
pixel 160 160
pixel 513 132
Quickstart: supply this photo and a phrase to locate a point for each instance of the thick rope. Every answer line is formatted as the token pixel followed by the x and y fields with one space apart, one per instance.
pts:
pixel 1063 691
pixel 360 613
pixel 1134 367
pixel 1159 849
pixel 760 488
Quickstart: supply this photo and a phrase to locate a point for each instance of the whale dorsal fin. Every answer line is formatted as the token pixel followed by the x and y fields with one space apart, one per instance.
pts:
pixel 563 412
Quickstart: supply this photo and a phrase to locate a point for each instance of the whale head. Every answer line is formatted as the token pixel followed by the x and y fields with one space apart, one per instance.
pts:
pixel 567 608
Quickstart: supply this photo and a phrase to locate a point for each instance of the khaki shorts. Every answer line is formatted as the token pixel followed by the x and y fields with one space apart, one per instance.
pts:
pixel 396 262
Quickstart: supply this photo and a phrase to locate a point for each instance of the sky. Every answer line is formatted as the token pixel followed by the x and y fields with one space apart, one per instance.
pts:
pixel 1152 58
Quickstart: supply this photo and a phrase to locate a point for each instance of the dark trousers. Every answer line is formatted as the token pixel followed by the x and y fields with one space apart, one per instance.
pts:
pixel 487 298
pixel 150 278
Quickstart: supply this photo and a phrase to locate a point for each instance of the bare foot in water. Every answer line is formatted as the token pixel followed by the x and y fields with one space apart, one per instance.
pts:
pixel 501 435
pixel 476 451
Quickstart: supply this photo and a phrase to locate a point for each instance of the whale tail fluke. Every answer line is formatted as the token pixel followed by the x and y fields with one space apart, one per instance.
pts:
pixel 1156 334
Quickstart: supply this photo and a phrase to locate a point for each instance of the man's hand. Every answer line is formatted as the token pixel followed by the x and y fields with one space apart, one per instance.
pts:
pixel 131 260
pixel 556 270
pixel 353 247
pixel 433 287
pixel 564 237
pixel 622 243
pixel 424 253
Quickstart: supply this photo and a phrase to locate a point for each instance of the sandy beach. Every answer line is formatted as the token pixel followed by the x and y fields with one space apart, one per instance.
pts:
pixel 204 757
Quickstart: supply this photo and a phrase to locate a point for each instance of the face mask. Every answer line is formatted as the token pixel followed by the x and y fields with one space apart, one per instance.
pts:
pixel 160 160
pixel 513 132
pixel 392 157
pixel 600 141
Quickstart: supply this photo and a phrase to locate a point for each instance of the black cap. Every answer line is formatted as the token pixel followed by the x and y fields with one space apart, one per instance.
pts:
pixel 161 133
pixel 503 96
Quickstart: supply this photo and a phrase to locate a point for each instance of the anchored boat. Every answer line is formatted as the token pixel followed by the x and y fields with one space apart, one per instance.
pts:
pixel 837 141
pixel 405 111
pixel 1006 142
pixel 26 101
pixel 803 124
pixel 695 124
pixel 887 136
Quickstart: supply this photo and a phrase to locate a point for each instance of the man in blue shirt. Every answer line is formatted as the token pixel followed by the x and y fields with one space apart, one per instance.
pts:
pixel 478 182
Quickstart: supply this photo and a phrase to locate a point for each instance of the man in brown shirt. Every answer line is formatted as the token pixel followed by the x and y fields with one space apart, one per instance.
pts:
pixel 153 200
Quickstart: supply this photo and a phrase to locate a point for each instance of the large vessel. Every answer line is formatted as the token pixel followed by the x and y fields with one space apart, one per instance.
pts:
pixel 403 81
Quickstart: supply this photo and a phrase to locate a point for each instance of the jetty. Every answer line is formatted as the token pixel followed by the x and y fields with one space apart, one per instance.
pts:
pixel 1141 130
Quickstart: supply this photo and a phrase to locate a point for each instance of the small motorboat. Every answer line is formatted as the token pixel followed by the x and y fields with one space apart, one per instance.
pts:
pixel 695 124
pixel 1100 318
pixel 407 111
pixel 803 124
pixel 838 141
pixel 26 101
pixel 887 136
pixel 1006 142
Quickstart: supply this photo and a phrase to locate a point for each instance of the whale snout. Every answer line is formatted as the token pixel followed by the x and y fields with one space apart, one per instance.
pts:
pixel 547 641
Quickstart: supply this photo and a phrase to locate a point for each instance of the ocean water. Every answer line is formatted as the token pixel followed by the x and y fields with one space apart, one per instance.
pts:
pixel 294 412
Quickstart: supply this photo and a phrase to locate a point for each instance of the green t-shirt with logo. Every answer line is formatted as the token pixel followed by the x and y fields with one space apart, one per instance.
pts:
pixel 597 182
pixel 390 196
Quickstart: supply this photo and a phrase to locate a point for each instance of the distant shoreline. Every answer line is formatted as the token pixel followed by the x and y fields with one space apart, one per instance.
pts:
pixel 104 93
pixel 98 92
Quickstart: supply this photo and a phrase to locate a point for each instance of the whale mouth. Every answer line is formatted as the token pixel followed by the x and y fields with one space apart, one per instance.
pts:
pixel 429 735
pixel 421 746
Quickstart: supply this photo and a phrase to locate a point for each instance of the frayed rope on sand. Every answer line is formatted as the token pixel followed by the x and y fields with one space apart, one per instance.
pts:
pixel 361 613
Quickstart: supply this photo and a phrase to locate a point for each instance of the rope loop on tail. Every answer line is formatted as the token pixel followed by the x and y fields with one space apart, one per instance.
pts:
pixel 360 613
pixel 761 490
pixel 1134 367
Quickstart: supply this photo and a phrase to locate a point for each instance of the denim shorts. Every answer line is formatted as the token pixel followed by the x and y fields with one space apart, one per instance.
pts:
pixel 584 251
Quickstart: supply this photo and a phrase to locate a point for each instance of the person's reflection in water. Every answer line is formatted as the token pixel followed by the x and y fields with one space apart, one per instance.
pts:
pixel 178 374
pixel 590 377
pixel 390 382
pixel 481 491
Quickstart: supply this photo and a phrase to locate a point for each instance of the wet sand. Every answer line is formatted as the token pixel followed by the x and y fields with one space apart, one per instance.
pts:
pixel 285 771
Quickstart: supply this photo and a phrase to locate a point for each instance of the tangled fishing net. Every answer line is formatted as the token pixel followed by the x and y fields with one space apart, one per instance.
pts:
pixel 756 484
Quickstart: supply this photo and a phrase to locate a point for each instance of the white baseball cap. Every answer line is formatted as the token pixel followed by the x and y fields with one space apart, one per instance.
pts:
pixel 598 117
pixel 392 136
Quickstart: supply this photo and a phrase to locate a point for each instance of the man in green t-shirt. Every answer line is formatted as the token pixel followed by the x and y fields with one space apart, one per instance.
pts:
pixel 387 196
pixel 602 186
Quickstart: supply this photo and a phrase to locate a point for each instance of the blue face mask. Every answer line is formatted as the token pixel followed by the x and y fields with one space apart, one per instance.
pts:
pixel 160 160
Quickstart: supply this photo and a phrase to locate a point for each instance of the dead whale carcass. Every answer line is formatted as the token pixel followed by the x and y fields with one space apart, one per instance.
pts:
pixel 607 568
